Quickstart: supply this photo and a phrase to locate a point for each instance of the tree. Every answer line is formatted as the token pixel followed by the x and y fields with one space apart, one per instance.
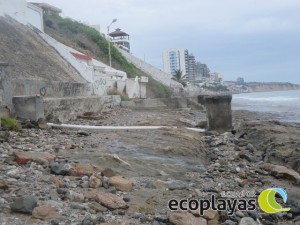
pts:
pixel 179 77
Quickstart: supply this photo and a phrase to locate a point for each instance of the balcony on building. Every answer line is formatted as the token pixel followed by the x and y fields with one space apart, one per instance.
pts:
pixel 120 39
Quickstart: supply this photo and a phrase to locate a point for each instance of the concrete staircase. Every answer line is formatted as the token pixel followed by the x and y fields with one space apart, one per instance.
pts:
pixel 152 71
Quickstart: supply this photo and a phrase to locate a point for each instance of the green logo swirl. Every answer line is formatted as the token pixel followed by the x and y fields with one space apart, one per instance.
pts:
pixel 267 201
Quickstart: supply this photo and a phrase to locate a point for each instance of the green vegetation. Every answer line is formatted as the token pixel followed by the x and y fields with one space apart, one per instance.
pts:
pixel 10 123
pixel 116 92
pixel 160 90
pixel 89 41
pixel 178 76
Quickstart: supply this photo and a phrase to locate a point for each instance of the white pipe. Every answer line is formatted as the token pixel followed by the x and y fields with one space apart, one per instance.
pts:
pixel 196 129
pixel 86 127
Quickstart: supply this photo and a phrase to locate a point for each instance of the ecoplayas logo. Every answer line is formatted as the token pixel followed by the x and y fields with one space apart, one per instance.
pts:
pixel 231 201
pixel 267 201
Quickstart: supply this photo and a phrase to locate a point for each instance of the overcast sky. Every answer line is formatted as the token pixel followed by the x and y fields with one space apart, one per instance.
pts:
pixel 256 39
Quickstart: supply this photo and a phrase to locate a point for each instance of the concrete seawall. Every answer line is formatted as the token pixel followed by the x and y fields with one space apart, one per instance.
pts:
pixel 163 103
pixel 65 109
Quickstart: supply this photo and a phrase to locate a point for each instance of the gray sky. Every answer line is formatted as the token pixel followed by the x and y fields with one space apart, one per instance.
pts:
pixel 255 39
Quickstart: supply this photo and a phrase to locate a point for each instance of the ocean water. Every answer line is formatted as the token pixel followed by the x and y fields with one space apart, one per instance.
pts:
pixel 283 105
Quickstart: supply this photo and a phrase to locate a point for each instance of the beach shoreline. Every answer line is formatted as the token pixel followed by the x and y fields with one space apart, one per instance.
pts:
pixel 161 164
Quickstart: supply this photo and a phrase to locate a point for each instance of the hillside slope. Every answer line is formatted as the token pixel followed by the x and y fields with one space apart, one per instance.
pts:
pixel 30 58
pixel 87 40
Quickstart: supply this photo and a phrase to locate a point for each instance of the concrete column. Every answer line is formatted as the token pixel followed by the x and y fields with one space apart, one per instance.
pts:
pixel 29 107
pixel 218 112
pixel 6 89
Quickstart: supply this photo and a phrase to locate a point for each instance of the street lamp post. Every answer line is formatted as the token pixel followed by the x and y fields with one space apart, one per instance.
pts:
pixel 109 54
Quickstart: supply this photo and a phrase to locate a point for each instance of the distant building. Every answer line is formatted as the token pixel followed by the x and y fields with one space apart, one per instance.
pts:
pixel 216 77
pixel 202 72
pixel 240 81
pixel 176 59
pixel 191 77
pixel 121 39
pixel 48 9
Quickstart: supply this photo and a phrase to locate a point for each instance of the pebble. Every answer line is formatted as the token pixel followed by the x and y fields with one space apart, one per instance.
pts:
pixel 247 221
pixel 77 206
pixel 240 214
pixel 74 196
pixel 126 198
pixel 97 207
pixel 59 168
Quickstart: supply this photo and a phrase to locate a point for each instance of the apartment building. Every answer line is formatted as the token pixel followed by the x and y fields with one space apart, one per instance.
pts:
pixel 175 59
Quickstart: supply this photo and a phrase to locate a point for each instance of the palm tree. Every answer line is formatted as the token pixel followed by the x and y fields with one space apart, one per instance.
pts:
pixel 179 77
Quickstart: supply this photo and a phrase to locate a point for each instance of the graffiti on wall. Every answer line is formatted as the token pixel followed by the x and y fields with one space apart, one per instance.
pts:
pixel 99 84
pixel 52 89
pixel 43 91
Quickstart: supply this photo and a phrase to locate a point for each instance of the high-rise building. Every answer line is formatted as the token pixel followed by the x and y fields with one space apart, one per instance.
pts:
pixel 191 77
pixel 176 59
pixel 202 72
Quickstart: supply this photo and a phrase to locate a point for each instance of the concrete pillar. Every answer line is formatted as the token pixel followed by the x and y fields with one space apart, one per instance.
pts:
pixel 6 89
pixel 218 112
pixel 29 107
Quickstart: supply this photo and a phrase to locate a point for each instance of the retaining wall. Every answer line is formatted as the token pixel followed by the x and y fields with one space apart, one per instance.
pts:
pixel 154 72
pixel 65 109
pixel 161 103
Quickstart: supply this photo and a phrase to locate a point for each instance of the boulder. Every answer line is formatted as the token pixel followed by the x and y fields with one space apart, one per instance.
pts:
pixel 39 157
pixel 108 172
pixel 83 170
pixel 60 168
pixel 110 201
pixel 45 212
pixel 282 172
pixel 211 214
pixel 24 204
pixel 178 218
pixel 120 183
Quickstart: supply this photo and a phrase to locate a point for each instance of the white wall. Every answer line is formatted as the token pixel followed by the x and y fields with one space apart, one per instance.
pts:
pixel 85 71
pixel 14 8
pixel 155 73
pixel 133 88
pixel 23 12
pixel 34 16
pixel 101 82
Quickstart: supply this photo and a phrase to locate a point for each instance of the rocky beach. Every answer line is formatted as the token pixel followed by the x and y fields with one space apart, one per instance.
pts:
pixel 85 177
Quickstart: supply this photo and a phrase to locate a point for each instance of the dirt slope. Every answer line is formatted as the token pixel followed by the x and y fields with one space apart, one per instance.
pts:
pixel 30 57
